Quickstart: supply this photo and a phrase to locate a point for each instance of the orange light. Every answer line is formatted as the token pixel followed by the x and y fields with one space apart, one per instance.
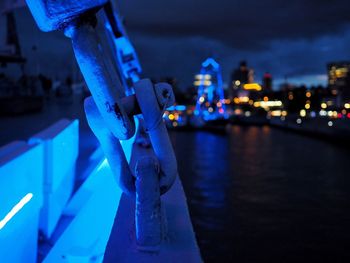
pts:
pixel 276 113
pixel 267 104
pixel 252 86
pixel 244 99
pixel 238 111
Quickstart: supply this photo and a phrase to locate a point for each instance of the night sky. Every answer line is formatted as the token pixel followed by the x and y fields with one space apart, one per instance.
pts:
pixel 293 39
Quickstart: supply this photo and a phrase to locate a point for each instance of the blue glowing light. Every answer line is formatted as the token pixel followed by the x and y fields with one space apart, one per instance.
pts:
pixel 171 108
pixel 180 107
pixel 15 209
pixel 177 107
pixel 212 62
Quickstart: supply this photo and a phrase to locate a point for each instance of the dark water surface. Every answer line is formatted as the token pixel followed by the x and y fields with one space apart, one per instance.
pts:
pixel 264 195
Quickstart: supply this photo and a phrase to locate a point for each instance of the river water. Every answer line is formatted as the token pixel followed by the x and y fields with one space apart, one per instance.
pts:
pixel 260 194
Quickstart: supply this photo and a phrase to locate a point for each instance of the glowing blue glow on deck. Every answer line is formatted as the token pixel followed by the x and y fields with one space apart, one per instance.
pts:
pixel 15 209
pixel 103 165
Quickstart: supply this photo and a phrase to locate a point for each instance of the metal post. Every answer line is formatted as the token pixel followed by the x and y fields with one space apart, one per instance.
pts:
pixel 148 205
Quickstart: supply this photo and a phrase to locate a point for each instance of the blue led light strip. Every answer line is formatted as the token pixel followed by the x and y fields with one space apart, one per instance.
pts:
pixel 15 210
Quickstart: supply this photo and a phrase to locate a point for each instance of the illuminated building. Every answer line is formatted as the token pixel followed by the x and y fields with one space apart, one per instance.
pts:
pixel 243 83
pixel 240 75
pixel 210 88
pixel 339 79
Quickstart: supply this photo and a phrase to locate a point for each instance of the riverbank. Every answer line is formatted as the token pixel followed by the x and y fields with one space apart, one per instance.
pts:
pixel 334 130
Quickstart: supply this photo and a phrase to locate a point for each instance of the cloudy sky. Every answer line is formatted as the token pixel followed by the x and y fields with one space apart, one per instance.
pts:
pixel 293 39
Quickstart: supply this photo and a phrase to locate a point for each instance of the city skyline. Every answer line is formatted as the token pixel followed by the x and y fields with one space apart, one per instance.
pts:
pixel 294 39
pixel 165 51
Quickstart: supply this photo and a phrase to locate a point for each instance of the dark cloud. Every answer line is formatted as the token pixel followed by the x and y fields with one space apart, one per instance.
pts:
pixel 240 24
pixel 288 38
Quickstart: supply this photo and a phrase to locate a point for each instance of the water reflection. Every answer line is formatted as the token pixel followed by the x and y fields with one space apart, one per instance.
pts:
pixel 264 195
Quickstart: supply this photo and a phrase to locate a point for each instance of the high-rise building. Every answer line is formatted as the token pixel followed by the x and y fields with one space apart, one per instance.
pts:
pixel 240 75
pixel 242 82
pixel 339 79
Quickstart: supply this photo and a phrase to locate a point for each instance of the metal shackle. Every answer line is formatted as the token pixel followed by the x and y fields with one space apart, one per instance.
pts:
pixel 162 96
pixel 149 97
